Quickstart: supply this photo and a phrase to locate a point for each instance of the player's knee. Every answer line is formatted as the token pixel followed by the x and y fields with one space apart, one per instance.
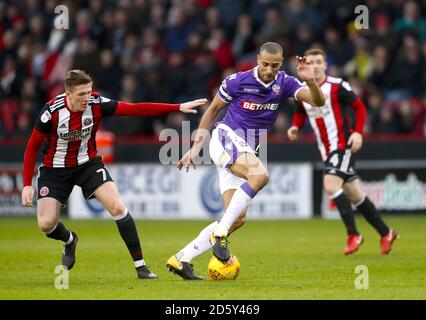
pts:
pixel 46 225
pixel 264 179
pixel 259 180
pixel 118 209
pixel 330 188
pixel 354 197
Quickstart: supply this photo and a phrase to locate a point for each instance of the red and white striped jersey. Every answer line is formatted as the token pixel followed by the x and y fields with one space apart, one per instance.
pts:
pixel 71 135
pixel 331 122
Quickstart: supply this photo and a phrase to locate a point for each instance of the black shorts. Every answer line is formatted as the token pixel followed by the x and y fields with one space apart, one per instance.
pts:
pixel 341 163
pixel 58 182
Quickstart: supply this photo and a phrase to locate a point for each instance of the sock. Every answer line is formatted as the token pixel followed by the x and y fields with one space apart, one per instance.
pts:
pixel 368 210
pixel 59 232
pixel 127 228
pixel 239 202
pixel 197 246
pixel 346 212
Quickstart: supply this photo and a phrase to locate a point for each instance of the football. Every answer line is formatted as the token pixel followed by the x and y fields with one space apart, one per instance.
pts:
pixel 224 271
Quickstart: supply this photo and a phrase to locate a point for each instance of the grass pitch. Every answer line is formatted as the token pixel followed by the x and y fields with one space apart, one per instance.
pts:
pixel 279 260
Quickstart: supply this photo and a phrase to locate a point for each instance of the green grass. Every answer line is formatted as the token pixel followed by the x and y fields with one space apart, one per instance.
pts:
pixel 279 260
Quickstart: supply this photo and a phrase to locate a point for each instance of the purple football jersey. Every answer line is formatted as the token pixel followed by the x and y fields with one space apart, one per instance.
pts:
pixel 254 104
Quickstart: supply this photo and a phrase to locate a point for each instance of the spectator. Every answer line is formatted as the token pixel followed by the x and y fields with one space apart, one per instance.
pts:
pixel 411 22
pixel 380 66
pixel 243 42
pixel 107 74
pixel 228 12
pixel 176 49
pixel 361 64
pixel 386 122
pixel 175 75
pixel 405 75
pixel 274 27
pixel 221 49
pixel 86 57
pixel 339 51
pixel 178 30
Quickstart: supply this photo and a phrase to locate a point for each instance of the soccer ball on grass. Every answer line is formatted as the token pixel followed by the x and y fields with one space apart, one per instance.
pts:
pixel 224 271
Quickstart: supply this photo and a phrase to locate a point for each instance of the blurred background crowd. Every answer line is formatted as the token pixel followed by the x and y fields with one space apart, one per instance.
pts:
pixel 178 50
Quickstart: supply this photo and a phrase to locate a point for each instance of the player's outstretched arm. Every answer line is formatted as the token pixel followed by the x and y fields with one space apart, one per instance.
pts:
pixel 313 94
pixel 189 107
pixel 156 109
pixel 36 140
pixel 206 123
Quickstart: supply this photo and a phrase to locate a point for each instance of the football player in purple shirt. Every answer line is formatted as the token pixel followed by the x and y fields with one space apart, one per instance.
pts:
pixel 253 99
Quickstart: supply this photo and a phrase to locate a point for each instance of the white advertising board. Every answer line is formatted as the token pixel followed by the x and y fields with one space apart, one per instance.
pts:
pixel 163 192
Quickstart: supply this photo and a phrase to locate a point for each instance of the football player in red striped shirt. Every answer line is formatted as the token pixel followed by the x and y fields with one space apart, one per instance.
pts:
pixel 338 143
pixel 68 123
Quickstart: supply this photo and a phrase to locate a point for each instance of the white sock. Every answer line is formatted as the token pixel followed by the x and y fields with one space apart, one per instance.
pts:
pixel 240 201
pixel 139 263
pixel 197 246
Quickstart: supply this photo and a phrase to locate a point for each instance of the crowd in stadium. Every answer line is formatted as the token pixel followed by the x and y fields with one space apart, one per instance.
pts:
pixel 179 50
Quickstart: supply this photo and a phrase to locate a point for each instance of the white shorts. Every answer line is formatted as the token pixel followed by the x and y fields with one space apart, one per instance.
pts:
pixel 225 147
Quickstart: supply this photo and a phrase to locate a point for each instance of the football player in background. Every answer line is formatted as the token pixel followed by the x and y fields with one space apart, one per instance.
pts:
pixel 68 123
pixel 338 143
pixel 253 99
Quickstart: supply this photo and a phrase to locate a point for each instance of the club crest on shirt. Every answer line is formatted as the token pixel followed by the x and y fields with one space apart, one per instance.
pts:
pixel 276 88
pixel 87 121
pixel 44 191
pixel 46 116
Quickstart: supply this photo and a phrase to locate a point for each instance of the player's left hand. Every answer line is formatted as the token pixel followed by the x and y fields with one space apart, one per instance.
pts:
pixel 27 196
pixel 188 159
pixel 355 141
pixel 188 107
pixel 305 71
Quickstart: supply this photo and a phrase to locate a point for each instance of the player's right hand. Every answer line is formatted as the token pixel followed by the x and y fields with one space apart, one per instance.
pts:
pixel 27 196
pixel 292 133
pixel 189 107
pixel 187 160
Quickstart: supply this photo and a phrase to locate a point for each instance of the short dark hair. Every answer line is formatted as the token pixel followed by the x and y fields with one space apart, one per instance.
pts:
pixel 316 51
pixel 272 48
pixel 76 78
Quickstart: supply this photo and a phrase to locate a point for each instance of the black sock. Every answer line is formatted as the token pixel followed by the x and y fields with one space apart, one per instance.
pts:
pixel 368 210
pixel 128 232
pixel 59 233
pixel 346 213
